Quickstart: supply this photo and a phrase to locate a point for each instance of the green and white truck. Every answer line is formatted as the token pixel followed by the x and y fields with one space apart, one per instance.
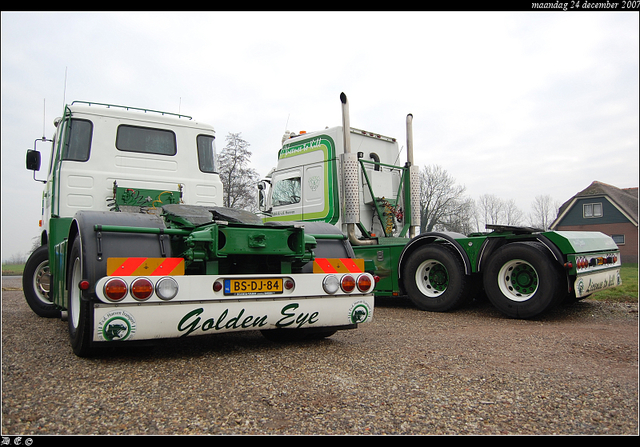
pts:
pixel 351 179
pixel 134 247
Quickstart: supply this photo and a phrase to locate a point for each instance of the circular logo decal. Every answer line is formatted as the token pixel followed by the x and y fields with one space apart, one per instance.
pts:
pixel 360 312
pixel 117 325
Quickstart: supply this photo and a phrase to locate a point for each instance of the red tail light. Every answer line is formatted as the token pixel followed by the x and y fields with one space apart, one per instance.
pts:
pixel 115 289
pixel 364 283
pixel 141 289
pixel 347 283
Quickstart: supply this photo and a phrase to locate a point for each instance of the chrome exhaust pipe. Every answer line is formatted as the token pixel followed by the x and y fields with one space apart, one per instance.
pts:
pixel 346 125
pixel 414 182
pixel 410 139
pixel 350 171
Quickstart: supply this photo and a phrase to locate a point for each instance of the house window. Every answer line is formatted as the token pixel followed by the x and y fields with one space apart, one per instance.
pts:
pixel 590 210
pixel 618 239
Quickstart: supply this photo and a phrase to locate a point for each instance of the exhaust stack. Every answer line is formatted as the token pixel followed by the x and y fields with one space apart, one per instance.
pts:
pixel 350 169
pixel 413 202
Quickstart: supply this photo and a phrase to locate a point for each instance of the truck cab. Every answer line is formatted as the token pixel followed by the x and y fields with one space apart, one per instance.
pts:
pixel 106 157
pixel 307 183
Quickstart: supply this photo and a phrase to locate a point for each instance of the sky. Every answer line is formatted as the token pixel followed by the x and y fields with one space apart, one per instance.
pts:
pixel 514 104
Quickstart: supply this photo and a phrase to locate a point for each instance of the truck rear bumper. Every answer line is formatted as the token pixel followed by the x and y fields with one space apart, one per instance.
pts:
pixel 589 283
pixel 130 322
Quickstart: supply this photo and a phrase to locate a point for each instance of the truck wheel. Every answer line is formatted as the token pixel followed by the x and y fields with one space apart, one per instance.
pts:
pixel 522 280
pixel 36 284
pixel 79 310
pixel 434 279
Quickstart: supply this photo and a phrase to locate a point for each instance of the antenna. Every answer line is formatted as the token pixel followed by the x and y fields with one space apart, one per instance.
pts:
pixel 64 94
pixel 398 157
pixel 44 112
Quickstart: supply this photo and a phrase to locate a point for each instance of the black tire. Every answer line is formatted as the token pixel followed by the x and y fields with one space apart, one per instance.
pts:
pixel 80 315
pixel 434 279
pixel 523 281
pixel 36 284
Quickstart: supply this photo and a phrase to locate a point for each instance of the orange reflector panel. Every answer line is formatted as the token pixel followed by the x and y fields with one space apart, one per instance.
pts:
pixel 145 266
pixel 338 265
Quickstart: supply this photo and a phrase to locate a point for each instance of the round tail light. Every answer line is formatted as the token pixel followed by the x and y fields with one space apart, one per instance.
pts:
pixel 347 283
pixel 330 284
pixel 115 289
pixel 166 288
pixel 141 289
pixel 289 284
pixel 364 283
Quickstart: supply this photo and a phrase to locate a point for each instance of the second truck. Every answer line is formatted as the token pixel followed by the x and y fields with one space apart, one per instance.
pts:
pixel 352 179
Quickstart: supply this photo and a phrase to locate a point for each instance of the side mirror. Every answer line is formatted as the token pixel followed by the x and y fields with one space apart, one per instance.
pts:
pixel 263 196
pixel 33 160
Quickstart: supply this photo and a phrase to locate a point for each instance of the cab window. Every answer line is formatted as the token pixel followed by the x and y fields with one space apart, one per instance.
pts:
pixel 286 191
pixel 145 140
pixel 78 143
pixel 206 153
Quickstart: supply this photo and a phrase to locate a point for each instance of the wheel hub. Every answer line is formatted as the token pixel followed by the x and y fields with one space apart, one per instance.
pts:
pixel 432 278
pixel 524 279
pixel 518 280
pixel 437 277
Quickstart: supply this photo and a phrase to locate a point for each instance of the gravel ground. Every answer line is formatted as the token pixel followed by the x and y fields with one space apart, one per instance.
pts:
pixel 572 372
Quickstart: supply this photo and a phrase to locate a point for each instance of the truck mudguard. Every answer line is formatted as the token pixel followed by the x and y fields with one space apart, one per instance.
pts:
pixel 98 246
pixel 428 238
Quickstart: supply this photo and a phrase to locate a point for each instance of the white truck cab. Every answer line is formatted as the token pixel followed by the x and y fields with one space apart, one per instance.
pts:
pixel 107 157
pixel 305 187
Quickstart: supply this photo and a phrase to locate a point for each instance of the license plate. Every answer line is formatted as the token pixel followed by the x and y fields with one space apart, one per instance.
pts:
pixel 249 286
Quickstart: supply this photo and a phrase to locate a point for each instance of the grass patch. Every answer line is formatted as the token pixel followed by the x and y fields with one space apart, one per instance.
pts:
pixel 12 269
pixel 627 292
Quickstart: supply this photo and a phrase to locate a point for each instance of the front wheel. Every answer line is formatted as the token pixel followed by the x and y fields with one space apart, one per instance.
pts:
pixel 522 280
pixel 434 279
pixel 36 284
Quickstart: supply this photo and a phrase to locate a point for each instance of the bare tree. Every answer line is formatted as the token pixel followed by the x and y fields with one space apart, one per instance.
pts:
pixel 512 214
pixel 461 219
pixel 442 202
pixel 238 179
pixel 490 210
pixel 544 212
pixel 493 210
